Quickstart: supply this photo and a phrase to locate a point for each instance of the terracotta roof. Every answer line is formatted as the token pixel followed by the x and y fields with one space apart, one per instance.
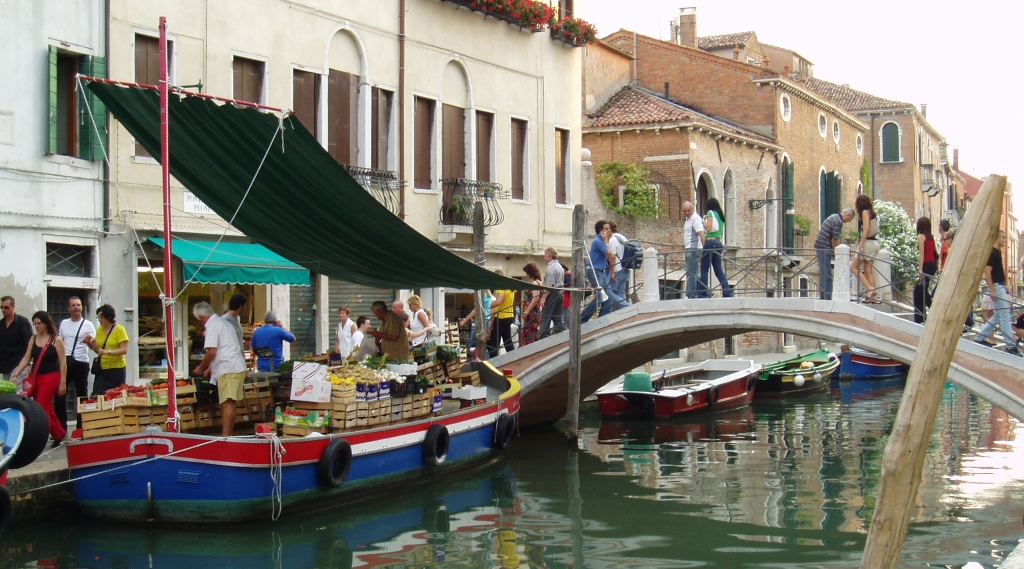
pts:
pixel 972 185
pixel 633 106
pixel 847 98
pixel 724 40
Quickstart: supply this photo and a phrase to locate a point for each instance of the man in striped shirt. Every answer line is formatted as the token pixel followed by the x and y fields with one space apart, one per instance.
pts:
pixel 825 244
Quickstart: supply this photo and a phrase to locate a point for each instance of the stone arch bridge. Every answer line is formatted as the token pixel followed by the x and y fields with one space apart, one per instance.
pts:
pixel 628 338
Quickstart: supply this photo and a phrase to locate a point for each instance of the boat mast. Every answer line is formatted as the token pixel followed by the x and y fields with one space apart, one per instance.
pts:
pixel 165 164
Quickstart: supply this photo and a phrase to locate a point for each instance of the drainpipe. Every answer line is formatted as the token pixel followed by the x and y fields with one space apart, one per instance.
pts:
pixel 106 163
pixel 874 189
pixel 401 106
pixel 636 56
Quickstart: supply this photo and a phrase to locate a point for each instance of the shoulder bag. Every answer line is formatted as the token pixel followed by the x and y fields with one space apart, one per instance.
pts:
pixel 29 385
pixel 97 363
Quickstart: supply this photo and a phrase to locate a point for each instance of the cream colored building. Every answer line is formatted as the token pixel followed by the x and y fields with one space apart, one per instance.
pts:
pixel 478 99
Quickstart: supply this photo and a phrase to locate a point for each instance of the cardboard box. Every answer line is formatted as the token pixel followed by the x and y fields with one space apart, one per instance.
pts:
pixel 314 391
pixel 128 401
pixel 308 371
pixel 469 392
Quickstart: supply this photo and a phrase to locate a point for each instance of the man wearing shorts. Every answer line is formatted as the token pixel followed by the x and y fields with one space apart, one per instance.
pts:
pixel 224 363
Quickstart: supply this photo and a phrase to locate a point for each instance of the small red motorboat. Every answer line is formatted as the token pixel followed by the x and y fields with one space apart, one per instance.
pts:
pixel 712 385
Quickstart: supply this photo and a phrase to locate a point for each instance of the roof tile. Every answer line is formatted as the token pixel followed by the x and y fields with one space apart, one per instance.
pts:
pixel 847 98
pixel 724 40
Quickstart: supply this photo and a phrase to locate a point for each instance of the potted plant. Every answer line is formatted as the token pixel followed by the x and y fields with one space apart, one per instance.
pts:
pixel 460 210
pixel 574 31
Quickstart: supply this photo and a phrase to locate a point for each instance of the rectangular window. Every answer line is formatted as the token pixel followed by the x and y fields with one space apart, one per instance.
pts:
pixel 453 142
pixel 423 142
pixel 519 132
pixel 248 80
pixel 381 128
pixel 68 260
pixel 342 109
pixel 306 99
pixel 147 68
pixel 561 166
pixel 484 138
pixel 71 129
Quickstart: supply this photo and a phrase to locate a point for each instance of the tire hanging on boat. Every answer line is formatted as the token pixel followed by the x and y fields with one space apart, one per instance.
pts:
pixel 751 382
pixel 713 396
pixel 37 429
pixel 335 463
pixel 435 445
pixel 504 428
pixel 5 510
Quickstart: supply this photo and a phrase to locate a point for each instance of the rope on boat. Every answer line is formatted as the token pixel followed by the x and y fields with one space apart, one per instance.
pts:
pixel 276 475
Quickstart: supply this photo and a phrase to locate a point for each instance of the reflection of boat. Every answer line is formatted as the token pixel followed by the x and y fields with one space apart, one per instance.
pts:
pixel 686 428
pixel 857 363
pixel 854 389
pixel 712 385
pixel 172 477
pixel 809 373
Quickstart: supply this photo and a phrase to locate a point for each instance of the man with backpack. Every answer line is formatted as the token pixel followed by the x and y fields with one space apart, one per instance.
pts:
pixel 628 255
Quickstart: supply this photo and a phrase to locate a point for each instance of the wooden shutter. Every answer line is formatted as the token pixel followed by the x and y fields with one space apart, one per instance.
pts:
pixel 67 105
pixel 890 143
pixel 423 141
pixel 484 135
pixel 248 80
pixel 306 99
pixel 342 108
pixel 93 116
pixel 518 159
pixel 561 155
pixel 147 69
pixel 453 142
pixel 829 199
pixel 381 128
pixel 52 102
pixel 788 229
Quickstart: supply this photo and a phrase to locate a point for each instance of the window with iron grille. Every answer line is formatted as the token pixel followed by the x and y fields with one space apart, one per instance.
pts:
pixel 68 260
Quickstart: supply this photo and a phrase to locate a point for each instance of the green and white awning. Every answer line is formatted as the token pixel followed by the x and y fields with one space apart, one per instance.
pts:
pixel 234 263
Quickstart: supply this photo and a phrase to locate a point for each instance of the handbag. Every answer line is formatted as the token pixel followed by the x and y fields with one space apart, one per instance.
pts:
pixel 28 386
pixel 97 362
pixel 873 228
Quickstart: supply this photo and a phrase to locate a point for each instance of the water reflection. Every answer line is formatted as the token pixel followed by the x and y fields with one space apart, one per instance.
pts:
pixel 779 484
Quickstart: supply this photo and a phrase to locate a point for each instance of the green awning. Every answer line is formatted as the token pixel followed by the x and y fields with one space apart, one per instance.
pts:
pixel 234 263
pixel 302 205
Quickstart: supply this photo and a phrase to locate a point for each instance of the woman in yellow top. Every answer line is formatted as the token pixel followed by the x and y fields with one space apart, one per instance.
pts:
pixel 111 344
pixel 504 311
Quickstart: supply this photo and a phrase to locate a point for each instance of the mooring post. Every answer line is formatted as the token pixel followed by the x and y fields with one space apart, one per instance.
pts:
pixel 480 258
pixel 903 460
pixel 652 288
pixel 841 274
pixel 579 218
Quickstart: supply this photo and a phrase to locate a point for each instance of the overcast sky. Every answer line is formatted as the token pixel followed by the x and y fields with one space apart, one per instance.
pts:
pixel 939 53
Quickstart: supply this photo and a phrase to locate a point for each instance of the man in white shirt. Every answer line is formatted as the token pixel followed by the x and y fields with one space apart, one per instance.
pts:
pixel 365 344
pixel 693 238
pixel 617 245
pixel 223 363
pixel 72 331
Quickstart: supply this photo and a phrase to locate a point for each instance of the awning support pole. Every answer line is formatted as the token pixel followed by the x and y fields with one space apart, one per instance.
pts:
pixel 575 325
pixel 903 460
pixel 165 164
pixel 480 258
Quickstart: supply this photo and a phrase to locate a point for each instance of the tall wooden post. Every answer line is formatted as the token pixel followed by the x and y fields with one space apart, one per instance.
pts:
pixel 575 316
pixel 479 257
pixel 904 455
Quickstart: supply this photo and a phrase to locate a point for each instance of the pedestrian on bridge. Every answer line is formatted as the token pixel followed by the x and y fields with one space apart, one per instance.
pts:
pixel 864 257
pixel 554 277
pixel 825 246
pixel 714 230
pixel 927 266
pixel 602 259
pixel 995 276
pixel 693 237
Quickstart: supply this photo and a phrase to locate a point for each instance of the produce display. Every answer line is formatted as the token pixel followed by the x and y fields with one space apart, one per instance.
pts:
pixel 7 388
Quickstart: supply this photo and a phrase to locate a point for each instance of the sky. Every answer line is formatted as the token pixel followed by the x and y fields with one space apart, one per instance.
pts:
pixel 958 58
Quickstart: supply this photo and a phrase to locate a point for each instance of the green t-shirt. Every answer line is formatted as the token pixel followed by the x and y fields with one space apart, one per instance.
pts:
pixel 721 227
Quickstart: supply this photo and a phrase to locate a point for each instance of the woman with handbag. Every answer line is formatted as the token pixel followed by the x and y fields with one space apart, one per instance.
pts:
pixel 110 345
pixel 867 248
pixel 49 371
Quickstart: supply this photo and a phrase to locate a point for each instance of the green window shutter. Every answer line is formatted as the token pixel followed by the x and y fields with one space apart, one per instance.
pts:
pixel 51 124
pixel 890 143
pixel 829 201
pixel 91 139
pixel 788 229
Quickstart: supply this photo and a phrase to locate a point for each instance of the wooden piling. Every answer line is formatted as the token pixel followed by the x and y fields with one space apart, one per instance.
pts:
pixel 579 218
pixel 903 461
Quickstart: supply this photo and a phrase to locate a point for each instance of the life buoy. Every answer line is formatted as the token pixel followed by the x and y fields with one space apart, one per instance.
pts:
pixel 37 429
pixel 435 445
pixel 751 382
pixel 5 509
pixel 713 396
pixel 335 463
pixel 504 428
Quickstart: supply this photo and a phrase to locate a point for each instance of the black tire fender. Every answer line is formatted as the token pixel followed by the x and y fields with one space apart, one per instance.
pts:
pixel 435 445
pixel 712 396
pixel 335 463
pixel 504 428
pixel 5 510
pixel 37 429
pixel 751 382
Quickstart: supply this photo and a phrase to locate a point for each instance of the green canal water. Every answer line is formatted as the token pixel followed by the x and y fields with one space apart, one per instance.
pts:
pixel 775 485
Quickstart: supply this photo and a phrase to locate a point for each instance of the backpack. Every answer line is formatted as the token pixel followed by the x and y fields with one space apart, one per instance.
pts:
pixel 632 254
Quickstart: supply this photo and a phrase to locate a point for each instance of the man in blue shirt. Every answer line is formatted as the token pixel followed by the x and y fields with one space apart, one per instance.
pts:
pixel 598 274
pixel 272 335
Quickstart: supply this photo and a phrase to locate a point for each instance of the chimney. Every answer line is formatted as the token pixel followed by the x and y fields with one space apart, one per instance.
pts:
pixel 956 159
pixel 686 27
pixel 785 71
pixel 666 90
pixel 766 62
pixel 736 52
pixel 924 110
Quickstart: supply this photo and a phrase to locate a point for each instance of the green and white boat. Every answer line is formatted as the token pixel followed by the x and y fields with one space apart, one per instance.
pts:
pixel 802 375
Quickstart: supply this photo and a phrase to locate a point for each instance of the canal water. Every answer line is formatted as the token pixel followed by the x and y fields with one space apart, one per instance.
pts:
pixel 779 484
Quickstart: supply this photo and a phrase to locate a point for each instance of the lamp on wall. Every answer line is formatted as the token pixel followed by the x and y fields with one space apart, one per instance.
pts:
pixel 758 204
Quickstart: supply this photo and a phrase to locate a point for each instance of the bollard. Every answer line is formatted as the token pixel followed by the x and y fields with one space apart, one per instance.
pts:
pixel 841 274
pixel 652 288
pixel 883 274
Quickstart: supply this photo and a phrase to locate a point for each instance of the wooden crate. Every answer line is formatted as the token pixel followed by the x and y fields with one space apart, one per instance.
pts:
pixel 294 432
pixel 109 431
pixel 310 406
pixel 96 405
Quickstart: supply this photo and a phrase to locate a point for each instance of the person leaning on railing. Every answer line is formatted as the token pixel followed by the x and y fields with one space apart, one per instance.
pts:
pixel 825 247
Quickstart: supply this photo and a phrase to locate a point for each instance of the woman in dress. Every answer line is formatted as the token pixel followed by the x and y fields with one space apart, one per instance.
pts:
pixel 46 356
pixel 867 248
pixel 714 229
pixel 111 344
pixel 531 307
pixel 927 265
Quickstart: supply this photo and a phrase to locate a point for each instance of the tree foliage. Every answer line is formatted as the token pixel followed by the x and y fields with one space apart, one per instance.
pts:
pixel 898 235
pixel 639 197
pixel 865 177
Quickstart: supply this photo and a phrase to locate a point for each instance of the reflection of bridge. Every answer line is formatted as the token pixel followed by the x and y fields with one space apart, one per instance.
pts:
pixel 630 337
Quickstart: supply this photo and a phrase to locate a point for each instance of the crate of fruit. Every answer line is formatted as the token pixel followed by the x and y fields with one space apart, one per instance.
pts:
pixel 127 396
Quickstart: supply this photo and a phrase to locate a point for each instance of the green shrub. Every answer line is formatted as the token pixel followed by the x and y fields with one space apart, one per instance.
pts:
pixel 639 198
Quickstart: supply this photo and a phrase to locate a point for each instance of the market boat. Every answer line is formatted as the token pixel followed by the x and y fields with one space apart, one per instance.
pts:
pixel 186 478
pixel 712 385
pixel 802 375
pixel 857 363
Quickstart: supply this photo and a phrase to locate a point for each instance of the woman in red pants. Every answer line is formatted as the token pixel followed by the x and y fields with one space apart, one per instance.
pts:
pixel 49 370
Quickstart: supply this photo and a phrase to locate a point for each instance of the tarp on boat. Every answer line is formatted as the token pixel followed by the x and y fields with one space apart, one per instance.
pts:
pixel 302 205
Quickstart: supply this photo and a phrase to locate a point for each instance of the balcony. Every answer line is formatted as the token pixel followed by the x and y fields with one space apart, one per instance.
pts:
pixel 460 196
pixel 383 185
pixel 931 180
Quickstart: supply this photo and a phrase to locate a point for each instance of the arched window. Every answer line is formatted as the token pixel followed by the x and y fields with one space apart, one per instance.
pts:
pixel 705 189
pixel 891 137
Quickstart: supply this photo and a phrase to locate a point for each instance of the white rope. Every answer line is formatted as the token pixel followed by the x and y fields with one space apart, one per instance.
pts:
pixel 276 475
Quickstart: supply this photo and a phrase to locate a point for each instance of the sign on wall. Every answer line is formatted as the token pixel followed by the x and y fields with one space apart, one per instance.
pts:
pixel 194 205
